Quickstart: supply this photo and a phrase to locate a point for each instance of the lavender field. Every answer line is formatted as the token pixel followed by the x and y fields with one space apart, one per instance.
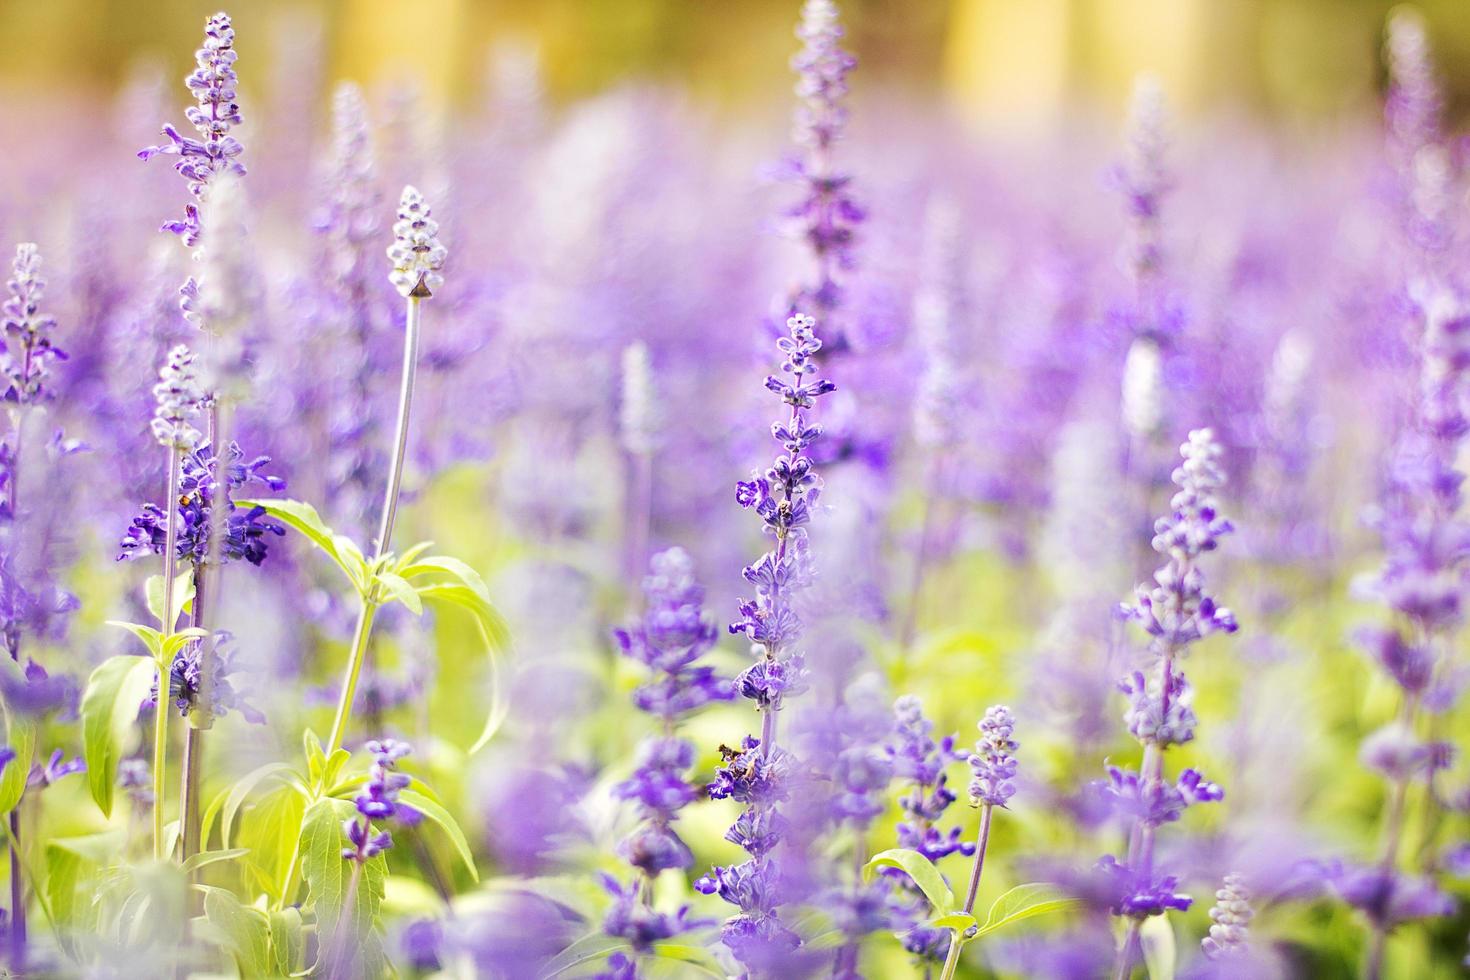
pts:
pixel 606 538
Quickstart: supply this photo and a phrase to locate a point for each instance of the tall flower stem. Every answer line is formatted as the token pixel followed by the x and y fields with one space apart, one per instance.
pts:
pixel 952 961
pixel 362 634
pixel 204 584
pixel 17 881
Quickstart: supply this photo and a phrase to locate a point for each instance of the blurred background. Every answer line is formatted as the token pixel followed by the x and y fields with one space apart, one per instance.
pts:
pixel 1000 62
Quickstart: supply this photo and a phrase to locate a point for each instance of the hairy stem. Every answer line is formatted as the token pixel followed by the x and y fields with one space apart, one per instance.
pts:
pixel 952 960
pixel 384 540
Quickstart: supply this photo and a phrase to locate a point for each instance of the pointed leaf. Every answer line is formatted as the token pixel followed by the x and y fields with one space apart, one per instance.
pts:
pixel 960 922
pixel 242 789
pixel 175 642
pixel 246 931
pixel 205 858
pixel 287 944
pixel 399 589
pixel 183 595
pixel 493 633
pixel 152 639
pixel 440 816
pixel 303 518
pixel 110 704
pixel 1025 902
pixel 921 870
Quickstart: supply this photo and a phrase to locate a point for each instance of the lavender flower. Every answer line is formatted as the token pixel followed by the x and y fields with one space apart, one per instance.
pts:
pixel 349 217
pixel 1175 613
pixel 1424 534
pixel 827 214
pixel 1143 178
pixel 200 678
pixel 670 639
pixel 378 801
pixel 416 253
pixel 27 330
pixel 55 768
pixel 920 762
pixel 214 153
pixel 994 766
pixel 783 498
pixel 180 402
pixel 244 530
pixel 1230 933
pixel 994 760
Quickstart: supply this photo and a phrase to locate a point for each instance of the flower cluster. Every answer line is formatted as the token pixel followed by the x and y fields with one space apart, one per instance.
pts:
pixel 416 253
pixel 827 214
pixel 245 530
pixel 919 762
pixel 199 678
pixel 1388 898
pixel 214 153
pixel 28 346
pixel 669 639
pixel 1175 613
pixel 783 498
pixel 1138 895
pixel 993 763
pixel 377 801
pixel 1230 933
pixel 349 219
pixel 1143 176
pixel 180 401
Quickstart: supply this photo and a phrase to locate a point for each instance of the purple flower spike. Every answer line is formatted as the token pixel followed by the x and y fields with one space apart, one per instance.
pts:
pixel 245 530
pixel 994 760
pixel 377 801
pixel 201 161
pixel 28 347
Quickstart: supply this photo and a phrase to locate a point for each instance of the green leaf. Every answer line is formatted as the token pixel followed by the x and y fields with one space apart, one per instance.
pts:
pixel 440 816
pixel 1160 954
pixel 246 930
pixel 494 632
pixel 152 639
pixel 921 870
pixel 698 957
pixel 316 756
pixel 287 945
pixel 410 554
pixel 110 705
pixel 20 735
pixel 585 950
pixel 1025 902
pixel 346 913
pixel 960 922
pixel 205 858
pixel 183 595
pixel 303 518
pixel 271 829
pixel 399 589
pixel 175 642
pixel 229 803
pixel 71 861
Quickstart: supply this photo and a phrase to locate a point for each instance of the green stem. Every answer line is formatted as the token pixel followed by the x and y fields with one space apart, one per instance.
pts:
pixel 385 526
pixel 952 960
pixel 355 660
pixel 160 759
